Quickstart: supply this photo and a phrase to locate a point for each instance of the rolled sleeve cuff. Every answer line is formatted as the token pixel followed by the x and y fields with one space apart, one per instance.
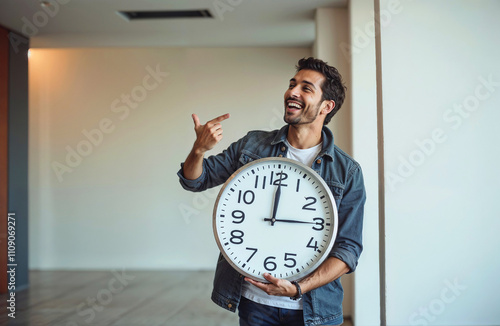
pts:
pixel 346 256
pixel 192 185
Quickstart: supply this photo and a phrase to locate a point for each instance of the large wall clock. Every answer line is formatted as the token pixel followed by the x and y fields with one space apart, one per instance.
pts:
pixel 275 215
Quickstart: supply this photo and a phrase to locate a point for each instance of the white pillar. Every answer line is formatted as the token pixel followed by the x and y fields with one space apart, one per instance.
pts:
pixel 338 42
pixel 332 29
pixel 361 50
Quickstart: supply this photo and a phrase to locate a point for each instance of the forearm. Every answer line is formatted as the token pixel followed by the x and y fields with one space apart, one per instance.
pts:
pixel 331 269
pixel 193 166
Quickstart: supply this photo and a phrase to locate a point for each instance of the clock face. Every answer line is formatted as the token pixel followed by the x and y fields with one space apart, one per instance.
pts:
pixel 275 215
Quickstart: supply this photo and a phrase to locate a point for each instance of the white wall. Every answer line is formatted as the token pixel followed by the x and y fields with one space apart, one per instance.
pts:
pixel 121 205
pixel 441 99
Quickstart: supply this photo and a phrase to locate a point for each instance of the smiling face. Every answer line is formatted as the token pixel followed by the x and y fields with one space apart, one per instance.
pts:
pixel 303 99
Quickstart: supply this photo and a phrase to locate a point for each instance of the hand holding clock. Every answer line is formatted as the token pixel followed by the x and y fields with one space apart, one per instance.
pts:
pixel 330 270
pixel 278 287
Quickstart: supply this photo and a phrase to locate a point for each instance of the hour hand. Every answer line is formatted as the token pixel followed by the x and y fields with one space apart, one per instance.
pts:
pixel 287 221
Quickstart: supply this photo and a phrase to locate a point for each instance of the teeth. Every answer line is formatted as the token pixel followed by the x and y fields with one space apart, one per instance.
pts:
pixel 295 105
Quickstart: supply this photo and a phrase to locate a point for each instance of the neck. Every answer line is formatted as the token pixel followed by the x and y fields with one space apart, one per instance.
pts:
pixel 302 136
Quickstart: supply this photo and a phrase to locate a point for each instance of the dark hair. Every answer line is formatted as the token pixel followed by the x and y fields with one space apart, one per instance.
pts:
pixel 332 88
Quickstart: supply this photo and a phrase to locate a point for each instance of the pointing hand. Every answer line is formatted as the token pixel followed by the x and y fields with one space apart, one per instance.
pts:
pixel 209 134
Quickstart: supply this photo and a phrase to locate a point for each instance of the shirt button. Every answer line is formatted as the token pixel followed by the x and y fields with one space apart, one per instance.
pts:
pixel 283 148
pixel 318 161
pixel 229 305
pixel 280 155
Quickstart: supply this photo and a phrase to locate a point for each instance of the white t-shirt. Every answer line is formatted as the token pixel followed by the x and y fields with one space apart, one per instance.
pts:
pixel 305 156
pixel 251 292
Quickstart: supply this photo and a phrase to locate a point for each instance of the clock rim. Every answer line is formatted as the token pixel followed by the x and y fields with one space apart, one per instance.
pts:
pixel 326 253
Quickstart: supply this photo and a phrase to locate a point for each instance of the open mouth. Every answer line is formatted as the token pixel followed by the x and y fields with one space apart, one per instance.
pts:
pixel 293 105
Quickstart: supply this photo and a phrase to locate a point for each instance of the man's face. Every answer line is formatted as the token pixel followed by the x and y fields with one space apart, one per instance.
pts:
pixel 303 97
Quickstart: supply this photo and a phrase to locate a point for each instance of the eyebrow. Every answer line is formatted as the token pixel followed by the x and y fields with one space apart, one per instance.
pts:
pixel 304 81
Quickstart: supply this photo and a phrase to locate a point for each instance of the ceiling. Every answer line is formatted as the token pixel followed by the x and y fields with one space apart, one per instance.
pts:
pixel 95 23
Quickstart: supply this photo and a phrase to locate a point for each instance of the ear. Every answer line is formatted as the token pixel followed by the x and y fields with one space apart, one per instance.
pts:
pixel 328 106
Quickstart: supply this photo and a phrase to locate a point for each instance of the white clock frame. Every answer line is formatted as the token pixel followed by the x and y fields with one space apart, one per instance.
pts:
pixel 307 174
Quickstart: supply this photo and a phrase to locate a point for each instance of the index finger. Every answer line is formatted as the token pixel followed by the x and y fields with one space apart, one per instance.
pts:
pixel 260 285
pixel 220 118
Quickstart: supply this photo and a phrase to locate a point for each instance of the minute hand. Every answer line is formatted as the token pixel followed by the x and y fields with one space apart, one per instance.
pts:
pixel 277 196
pixel 289 221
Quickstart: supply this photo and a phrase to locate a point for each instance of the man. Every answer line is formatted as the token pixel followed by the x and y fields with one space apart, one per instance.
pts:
pixel 314 95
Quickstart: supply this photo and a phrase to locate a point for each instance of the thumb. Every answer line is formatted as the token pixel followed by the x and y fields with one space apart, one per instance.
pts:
pixel 196 120
pixel 271 278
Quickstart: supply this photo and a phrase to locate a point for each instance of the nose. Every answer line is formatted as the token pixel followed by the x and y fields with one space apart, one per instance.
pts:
pixel 294 92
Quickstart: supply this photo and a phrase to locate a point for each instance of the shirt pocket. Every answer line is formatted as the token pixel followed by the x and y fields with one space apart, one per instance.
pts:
pixel 337 190
pixel 247 157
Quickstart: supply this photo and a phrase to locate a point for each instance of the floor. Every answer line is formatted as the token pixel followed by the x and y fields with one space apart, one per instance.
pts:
pixel 118 298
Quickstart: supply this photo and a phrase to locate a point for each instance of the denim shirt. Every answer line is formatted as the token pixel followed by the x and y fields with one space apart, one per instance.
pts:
pixel 343 176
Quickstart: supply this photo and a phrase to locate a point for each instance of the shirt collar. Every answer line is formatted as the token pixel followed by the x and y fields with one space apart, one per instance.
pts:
pixel 328 147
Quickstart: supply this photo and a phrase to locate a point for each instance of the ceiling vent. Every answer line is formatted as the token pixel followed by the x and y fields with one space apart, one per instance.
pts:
pixel 165 14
